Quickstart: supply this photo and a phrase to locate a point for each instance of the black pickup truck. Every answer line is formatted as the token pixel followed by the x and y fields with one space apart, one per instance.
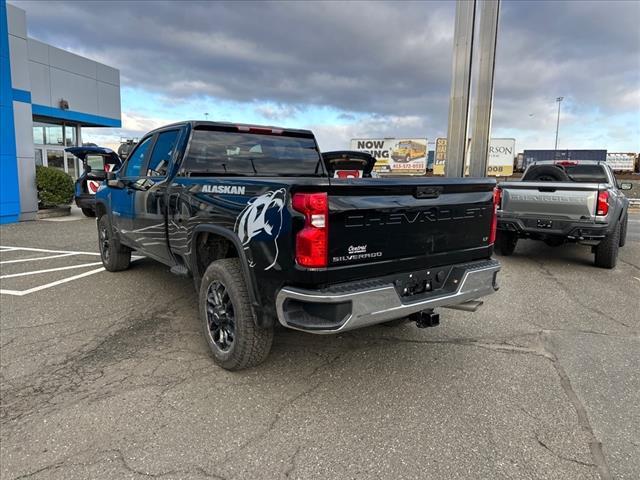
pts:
pixel 268 235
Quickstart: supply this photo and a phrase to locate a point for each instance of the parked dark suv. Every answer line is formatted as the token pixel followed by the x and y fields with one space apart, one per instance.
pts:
pixel 96 161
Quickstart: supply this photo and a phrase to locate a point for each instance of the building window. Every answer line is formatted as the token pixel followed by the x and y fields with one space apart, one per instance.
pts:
pixel 38 135
pixel 70 135
pixel 55 159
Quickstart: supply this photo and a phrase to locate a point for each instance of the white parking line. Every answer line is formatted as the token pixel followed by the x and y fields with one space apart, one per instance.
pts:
pixel 31 249
pixel 20 293
pixel 33 259
pixel 58 254
pixel 70 267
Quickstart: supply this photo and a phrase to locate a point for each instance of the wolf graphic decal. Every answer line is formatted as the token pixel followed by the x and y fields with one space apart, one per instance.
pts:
pixel 261 220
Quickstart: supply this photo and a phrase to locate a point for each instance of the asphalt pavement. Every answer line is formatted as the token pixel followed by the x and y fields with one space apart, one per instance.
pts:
pixel 107 375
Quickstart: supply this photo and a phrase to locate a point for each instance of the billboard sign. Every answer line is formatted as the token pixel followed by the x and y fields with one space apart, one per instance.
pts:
pixel 499 163
pixel 395 156
pixel 501 156
pixel 441 156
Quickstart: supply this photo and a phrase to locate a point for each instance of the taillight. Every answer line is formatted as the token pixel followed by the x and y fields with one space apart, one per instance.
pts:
pixel 603 203
pixel 565 163
pixel 497 197
pixel 312 242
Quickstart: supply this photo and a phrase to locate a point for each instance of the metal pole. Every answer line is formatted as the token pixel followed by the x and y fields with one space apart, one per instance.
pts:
pixel 460 87
pixel 481 128
pixel 559 100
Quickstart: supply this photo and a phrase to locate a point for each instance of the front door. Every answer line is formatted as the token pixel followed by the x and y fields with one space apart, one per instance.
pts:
pixel 149 221
pixel 123 199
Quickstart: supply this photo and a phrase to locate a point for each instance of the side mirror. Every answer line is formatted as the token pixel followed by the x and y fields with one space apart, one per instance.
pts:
pixel 87 168
pixel 626 186
pixel 113 181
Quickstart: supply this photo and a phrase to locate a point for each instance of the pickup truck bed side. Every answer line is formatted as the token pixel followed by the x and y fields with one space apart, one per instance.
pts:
pixel 315 253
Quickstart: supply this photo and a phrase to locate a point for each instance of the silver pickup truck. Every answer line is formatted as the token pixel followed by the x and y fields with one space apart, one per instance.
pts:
pixel 565 201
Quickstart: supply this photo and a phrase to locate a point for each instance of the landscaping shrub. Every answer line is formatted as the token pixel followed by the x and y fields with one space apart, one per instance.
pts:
pixel 54 187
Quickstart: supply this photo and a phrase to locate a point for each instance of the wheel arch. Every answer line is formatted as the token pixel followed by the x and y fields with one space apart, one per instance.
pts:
pixel 226 234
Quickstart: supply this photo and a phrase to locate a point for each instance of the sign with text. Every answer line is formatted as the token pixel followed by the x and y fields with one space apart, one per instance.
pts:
pixel 395 156
pixel 499 163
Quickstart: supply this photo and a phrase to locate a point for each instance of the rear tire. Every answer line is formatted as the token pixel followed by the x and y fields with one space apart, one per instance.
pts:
pixel 506 243
pixel 607 250
pixel 623 229
pixel 89 212
pixel 234 339
pixel 115 257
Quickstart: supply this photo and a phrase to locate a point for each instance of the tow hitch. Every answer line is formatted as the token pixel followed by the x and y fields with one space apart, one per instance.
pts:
pixel 426 318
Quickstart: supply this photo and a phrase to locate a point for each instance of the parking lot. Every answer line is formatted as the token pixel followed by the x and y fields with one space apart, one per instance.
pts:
pixel 106 375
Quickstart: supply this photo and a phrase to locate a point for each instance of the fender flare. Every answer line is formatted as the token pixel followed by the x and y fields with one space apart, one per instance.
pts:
pixel 249 278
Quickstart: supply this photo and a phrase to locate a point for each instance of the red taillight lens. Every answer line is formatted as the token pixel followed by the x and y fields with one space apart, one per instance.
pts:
pixel 603 203
pixel 566 163
pixel 312 242
pixel 497 197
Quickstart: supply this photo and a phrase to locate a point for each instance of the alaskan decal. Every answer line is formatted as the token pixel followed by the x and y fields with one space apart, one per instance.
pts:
pixel 228 189
pixel 261 220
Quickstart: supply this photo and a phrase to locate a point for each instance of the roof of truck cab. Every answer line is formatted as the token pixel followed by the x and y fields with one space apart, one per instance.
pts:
pixel 204 123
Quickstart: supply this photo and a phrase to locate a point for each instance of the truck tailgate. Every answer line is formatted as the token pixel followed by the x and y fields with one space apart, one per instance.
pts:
pixel 382 226
pixel 567 201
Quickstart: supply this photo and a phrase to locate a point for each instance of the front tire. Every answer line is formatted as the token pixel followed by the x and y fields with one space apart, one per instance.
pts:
pixel 506 243
pixel 607 250
pixel 234 339
pixel 115 257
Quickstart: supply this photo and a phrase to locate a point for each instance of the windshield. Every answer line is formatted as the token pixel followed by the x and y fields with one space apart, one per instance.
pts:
pixel 238 153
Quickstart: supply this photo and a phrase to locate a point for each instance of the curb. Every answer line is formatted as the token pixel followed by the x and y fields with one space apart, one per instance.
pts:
pixel 54 212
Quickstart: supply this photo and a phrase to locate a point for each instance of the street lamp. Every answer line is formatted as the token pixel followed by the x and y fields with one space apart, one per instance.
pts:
pixel 559 100
pixel 206 116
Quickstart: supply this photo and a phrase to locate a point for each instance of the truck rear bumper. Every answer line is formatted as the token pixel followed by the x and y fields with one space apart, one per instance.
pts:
pixel 352 306
pixel 86 201
pixel 573 230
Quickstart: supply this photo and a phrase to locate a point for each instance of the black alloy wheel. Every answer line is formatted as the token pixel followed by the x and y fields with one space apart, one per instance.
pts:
pixel 220 316
pixel 105 245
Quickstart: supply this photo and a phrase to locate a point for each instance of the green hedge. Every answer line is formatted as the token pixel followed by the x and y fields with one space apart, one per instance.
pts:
pixel 54 187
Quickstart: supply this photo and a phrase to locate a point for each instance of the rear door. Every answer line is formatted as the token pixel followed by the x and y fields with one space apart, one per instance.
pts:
pixel 382 226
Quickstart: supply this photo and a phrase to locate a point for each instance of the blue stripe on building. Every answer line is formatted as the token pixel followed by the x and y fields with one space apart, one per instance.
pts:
pixel 70 115
pixel 21 95
pixel 9 188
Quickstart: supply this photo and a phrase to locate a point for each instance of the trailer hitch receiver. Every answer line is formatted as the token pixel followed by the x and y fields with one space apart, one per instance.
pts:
pixel 426 318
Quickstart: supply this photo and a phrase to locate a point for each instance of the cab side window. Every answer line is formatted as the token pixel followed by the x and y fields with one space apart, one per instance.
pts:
pixel 136 159
pixel 162 153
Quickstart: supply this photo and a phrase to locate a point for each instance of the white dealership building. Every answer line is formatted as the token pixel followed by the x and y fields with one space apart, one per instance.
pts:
pixel 47 95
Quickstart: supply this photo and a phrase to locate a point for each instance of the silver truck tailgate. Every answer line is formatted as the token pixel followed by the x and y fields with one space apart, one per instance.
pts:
pixel 571 201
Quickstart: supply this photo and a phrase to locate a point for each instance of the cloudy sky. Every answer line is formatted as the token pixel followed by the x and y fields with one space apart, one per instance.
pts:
pixel 358 69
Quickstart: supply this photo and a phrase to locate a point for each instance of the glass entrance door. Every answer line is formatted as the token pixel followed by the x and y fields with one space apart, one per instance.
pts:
pixel 57 158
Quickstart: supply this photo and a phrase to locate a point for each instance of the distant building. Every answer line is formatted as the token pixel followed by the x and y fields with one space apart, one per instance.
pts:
pixel 46 95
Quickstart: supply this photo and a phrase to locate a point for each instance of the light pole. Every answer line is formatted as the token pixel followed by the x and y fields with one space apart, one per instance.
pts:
pixel 559 100
pixel 206 116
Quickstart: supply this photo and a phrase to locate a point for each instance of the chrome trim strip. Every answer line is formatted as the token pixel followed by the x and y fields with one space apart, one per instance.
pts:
pixel 380 304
